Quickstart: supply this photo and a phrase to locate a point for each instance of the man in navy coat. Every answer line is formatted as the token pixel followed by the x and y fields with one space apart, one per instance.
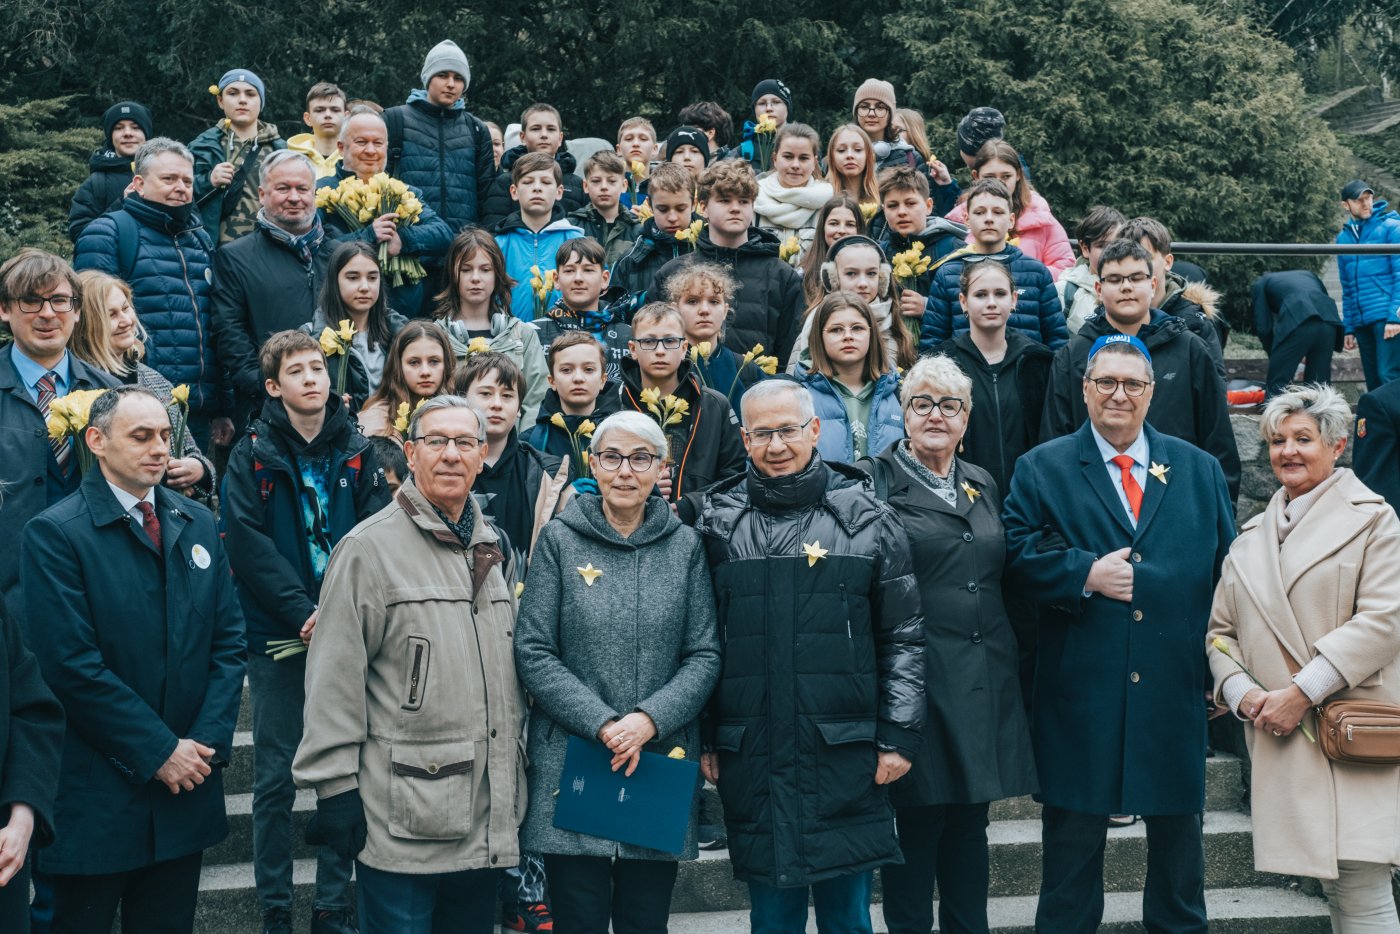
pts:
pixel 1119 531
pixel 130 608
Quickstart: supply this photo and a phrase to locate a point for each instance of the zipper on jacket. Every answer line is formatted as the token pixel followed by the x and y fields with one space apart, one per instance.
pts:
pixel 442 164
pixel 194 302
pixel 1001 435
pixel 417 672
pixel 846 605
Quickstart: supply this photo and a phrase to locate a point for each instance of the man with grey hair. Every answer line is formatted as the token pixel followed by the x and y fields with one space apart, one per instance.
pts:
pixel 156 244
pixel 1118 532
pixel 269 279
pixel 821 699
pixel 414 718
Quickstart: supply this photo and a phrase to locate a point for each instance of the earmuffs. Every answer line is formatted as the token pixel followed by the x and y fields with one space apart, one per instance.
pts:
pixel 830 281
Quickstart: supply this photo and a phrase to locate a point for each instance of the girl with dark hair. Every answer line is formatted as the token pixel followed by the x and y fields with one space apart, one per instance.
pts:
pixel 419 366
pixel 354 291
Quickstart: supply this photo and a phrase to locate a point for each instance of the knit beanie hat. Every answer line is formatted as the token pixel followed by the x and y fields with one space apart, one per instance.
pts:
pixel 127 110
pixel 688 136
pixel 772 86
pixel 979 126
pixel 873 89
pixel 247 77
pixel 446 56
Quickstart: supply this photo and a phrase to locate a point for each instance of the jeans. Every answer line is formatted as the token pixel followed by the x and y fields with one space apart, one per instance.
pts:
pixel 947 845
pixel 1380 358
pixel 1360 899
pixel 588 892
pixel 278 693
pixel 435 903
pixel 842 904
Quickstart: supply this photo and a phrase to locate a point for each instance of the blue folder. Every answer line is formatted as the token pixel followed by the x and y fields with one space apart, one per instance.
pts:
pixel 650 809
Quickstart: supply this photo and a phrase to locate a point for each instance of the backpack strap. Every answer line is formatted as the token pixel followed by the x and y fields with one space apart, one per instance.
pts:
pixel 128 243
pixel 393 123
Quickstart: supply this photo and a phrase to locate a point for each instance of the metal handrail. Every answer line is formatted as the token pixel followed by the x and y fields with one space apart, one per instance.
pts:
pixel 1288 249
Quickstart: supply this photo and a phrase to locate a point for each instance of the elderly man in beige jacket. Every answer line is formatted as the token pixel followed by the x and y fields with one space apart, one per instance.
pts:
pixel 414 716
pixel 1309 602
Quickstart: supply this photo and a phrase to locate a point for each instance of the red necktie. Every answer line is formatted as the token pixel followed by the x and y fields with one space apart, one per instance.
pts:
pixel 151 524
pixel 1130 486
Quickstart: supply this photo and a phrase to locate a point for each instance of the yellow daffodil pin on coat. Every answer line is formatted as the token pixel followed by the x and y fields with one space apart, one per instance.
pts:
pixel 590 574
pixel 1159 471
pixel 814 552
pixel 478 345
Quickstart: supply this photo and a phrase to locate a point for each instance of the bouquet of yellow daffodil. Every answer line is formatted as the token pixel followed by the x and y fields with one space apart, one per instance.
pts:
pixel 180 395
pixel 335 342
pixel 691 233
pixel 68 418
pixel 791 251
pixel 765 131
pixel 910 264
pixel 576 438
pixel 1223 648
pixel 636 174
pixel 701 351
pixel 404 415
pixel 868 210
pixel 358 203
pixel 668 411
pixel 769 365
pixel 541 284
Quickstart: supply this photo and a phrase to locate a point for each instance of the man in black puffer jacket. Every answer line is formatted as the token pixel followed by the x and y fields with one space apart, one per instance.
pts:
pixel 541 130
pixel 821 701
pixel 437 146
pixel 125 126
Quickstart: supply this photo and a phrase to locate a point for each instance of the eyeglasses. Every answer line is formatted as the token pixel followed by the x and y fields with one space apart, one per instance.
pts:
pixel 1107 386
pixel 841 330
pixel 33 304
pixel 923 406
pixel 876 108
pixel 438 443
pixel 650 343
pixel 1137 278
pixel 610 461
pixel 762 437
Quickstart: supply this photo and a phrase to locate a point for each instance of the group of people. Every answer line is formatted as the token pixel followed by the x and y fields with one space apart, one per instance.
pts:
pixel 856 488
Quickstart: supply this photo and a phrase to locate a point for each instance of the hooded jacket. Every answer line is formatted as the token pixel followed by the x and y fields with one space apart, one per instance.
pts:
pixel 446 154
pixel 101 191
pixel 1370 284
pixel 940 238
pixel 519 340
pixel 1199 306
pixel 305 143
pixel 616 237
pixel 1188 395
pixel 768 307
pixel 263 503
pixel 499 204
pixel 651 250
pixel 609 324
pixel 228 218
pixel 170 289
pixel 1038 234
pixel 550 439
pixel 524 248
pixel 837 442
pixel 357 381
pixel 1008 401
pixel 1037 311
pixel 1078 299
pixel 821 634
pixel 706 446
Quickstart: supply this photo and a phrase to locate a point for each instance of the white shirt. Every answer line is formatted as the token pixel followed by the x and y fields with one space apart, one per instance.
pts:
pixel 1138 452
pixel 129 502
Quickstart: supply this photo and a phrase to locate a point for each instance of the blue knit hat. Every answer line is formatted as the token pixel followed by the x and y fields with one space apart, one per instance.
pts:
pixel 246 76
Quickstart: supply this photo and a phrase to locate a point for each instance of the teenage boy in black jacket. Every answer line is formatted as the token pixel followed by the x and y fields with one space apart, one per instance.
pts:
pixel 297 481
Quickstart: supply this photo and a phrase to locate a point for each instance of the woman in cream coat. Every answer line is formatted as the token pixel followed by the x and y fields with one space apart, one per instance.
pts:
pixel 1316 575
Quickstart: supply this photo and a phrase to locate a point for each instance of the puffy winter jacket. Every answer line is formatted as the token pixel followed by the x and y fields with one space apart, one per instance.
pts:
pixel 1198 305
pixel 1370 284
pixel 616 237
pixel 1038 234
pixel 101 191
pixel 823 648
pixel 170 288
pixel 651 250
pixel 837 442
pixel 446 154
pixel 1188 396
pixel 524 248
pixel 768 307
pixel 227 218
pixel 499 204
pixel 609 324
pixel 1037 311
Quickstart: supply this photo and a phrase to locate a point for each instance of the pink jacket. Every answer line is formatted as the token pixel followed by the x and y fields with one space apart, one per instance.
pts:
pixel 1037 234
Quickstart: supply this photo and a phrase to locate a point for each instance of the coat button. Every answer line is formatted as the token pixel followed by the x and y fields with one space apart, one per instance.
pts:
pixel 782 877
pixel 977 638
pixel 38 481
pixel 971 586
pixel 493 860
pixel 1137 557
pixel 1134 677
pixel 432 768
pixel 507 632
pixel 493 734
pixel 967 536
pixel 1137 616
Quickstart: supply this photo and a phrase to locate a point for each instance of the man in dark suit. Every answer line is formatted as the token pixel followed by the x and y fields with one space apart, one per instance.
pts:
pixel 1295 320
pixel 1376 456
pixel 131 610
pixel 1118 531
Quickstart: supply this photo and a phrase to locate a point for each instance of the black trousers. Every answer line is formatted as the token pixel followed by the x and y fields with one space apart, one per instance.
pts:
pixel 1071 883
pixel 1313 340
pixel 587 892
pixel 945 845
pixel 14 901
pixel 156 899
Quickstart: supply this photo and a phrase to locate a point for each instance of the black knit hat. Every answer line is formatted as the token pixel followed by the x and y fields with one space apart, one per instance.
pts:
pixel 127 110
pixel 772 86
pixel 688 136
pixel 979 126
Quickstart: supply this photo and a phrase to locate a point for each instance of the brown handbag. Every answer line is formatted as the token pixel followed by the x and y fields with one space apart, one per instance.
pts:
pixel 1357 732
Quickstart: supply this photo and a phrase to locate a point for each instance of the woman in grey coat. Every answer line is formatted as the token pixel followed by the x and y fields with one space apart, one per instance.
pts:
pixel 616 642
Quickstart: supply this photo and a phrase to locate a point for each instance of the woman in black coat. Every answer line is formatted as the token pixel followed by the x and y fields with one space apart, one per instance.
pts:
pixel 31 734
pixel 976 745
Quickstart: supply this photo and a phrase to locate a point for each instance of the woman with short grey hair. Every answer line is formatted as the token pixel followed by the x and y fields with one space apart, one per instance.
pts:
pixel 616 641
pixel 1309 605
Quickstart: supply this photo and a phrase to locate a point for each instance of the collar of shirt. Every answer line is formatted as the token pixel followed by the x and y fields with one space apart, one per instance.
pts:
pixel 30 373
pixel 128 502
pixel 1137 450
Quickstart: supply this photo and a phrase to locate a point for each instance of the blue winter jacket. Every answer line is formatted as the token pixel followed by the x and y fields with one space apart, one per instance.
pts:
pixel 1370 284
pixel 446 152
pixel 886 424
pixel 170 288
pixel 524 248
pixel 1037 313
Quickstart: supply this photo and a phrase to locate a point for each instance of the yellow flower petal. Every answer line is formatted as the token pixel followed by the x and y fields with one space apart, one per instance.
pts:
pixel 557 420
pixel 180 394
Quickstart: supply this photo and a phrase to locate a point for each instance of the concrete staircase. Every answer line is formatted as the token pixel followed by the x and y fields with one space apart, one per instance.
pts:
pixel 708 901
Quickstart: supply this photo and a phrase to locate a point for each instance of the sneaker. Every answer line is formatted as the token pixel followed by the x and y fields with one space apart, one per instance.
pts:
pixel 277 921
pixel 1122 820
pixel 332 921
pixel 528 918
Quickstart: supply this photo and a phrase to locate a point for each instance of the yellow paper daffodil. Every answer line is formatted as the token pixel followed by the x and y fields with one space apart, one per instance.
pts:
pixel 971 491
pixel 589 573
pixel 705 349
pixel 478 345
pixel 1159 471
pixel 814 552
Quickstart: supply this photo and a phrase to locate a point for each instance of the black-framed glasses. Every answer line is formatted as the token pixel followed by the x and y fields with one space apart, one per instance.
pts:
pixel 33 304
pixel 1107 386
pixel 762 437
pixel 651 343
pixel 438 443
pixel 948 406
pixel 1137 278
pixel 610 461
pixel 872 108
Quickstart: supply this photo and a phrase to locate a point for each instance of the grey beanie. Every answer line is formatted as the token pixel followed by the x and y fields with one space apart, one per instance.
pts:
pixel 446 56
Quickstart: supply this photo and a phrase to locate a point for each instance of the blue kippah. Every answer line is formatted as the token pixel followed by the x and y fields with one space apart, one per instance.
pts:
pixel 1128 339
